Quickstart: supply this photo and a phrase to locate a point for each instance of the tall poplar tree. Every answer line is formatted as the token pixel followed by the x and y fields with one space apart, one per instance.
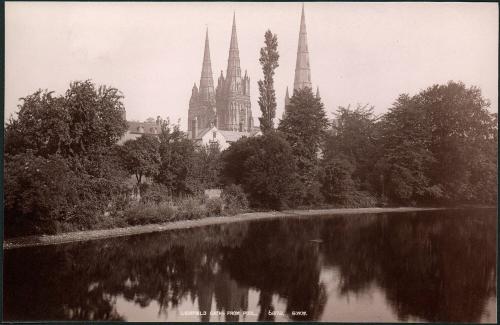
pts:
pixel 267 101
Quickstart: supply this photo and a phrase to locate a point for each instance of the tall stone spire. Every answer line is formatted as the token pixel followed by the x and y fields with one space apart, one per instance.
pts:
pixel 233 75
pixel 302 69
pixel 202 104
pixel 287 98
pixel 206 91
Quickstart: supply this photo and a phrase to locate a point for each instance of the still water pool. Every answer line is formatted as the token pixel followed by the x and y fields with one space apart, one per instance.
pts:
pixel 432 266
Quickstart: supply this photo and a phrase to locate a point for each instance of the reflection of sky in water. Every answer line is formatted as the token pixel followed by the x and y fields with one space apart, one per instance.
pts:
pixel 370 305
pixel 366 306
pixel 386 268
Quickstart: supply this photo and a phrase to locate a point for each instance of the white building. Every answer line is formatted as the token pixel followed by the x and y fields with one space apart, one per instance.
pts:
pixel 212 136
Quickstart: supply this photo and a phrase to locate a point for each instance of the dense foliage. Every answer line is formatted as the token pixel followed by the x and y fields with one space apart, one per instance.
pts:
pixel 265 168
pixel 61 170
pixel 176 152
pixel 64 171
pixel 141 156
pixel 440 145
pixel 436 147
pixel 85 119
pixel 305 126
pixel 204 171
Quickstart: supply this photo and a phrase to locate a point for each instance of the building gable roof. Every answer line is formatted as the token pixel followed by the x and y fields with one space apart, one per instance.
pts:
pixel 133 127
pixel 233 136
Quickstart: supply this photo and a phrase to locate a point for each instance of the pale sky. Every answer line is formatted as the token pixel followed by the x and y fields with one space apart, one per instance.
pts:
pixel 152 52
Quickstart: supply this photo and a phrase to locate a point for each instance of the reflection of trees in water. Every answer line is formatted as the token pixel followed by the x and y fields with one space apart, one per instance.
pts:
pixel 82 281
pixel 278 257
pixel 437 267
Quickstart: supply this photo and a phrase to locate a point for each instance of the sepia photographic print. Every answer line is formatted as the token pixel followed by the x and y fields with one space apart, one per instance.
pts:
pixel 250 161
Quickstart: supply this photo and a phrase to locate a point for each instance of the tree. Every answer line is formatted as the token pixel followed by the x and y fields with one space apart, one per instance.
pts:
pixel 204 169
pixel 60 156
pixel 337 182
pixel 176 154
pixel 355 135
pixel 265 167
pixel 96 116
pixel 141 156
pixel 85 119
pixel 267 101
pixel 439 145
pixel 463 134
pixel 42 125
pixel 305 124
pixel 406 159
pixel 304 127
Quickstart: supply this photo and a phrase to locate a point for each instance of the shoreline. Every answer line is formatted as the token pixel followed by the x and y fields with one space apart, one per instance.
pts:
pixel 77 236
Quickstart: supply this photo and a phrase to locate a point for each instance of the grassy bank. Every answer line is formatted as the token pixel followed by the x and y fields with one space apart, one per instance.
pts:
pixel 41 240
pixel 150 212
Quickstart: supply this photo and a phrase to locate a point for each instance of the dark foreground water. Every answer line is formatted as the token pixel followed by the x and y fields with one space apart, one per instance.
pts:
pixel 425 266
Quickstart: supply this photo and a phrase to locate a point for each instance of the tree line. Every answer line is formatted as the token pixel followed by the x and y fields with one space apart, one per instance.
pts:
pixel 62 164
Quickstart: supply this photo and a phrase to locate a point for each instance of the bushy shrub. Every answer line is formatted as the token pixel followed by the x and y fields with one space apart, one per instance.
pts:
pixel 46 195
pixel 234 199
pixel 214 206
pixel 154 193
pixel 147 213
pixel 357 199
pixel 337 179
pixel 40 192
pixel 191 208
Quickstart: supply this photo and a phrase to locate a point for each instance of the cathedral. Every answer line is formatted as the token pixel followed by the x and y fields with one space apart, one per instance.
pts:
pixel 223 114
pixel 227 107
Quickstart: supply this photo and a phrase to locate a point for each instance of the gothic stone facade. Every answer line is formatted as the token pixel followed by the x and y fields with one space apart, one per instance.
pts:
pixel 228 106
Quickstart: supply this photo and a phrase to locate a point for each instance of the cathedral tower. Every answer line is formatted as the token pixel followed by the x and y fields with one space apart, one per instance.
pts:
pixel 233 93
pixel 201 111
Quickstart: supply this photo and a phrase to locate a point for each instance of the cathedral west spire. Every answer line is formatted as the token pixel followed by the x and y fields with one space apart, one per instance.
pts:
pixel 206 90
pixel 201 112
pixel 302 68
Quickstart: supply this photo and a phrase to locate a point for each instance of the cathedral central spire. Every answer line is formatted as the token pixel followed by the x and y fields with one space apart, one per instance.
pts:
pixel 207 92
pixel 233 74
pixel 302 69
